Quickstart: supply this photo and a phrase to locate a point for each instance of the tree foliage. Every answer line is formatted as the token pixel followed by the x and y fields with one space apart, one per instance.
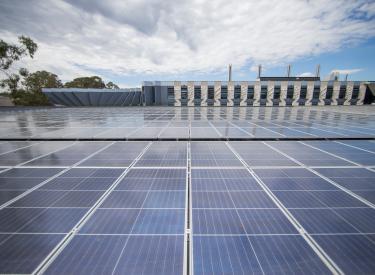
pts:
pixel 26 88
pixel 86 82
pixel 9 53
pixel 111 85
pixel 31 91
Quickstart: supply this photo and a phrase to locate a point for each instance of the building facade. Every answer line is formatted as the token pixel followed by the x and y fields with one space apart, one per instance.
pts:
pixel 273 91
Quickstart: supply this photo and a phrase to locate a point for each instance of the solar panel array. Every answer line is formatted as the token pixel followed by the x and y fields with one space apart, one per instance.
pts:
pixel 188 207
pixel 189 123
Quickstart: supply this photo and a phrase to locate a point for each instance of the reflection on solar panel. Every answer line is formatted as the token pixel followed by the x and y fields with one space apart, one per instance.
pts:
pixel 189 202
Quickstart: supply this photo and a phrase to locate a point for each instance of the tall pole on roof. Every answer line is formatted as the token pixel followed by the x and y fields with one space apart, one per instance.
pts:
pixel 230 72
pixel 317 73
pixel 259 70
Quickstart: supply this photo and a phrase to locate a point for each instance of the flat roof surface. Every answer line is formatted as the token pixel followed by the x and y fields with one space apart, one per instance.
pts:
pixel 136 123
pixel 183 207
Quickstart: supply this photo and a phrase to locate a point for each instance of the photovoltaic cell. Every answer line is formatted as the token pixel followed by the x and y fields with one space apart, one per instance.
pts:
pixel 286 255
pixel 151 255
pixel 236 226
pixel 22 253
pixel 82 257
pixel 224 255
pixel 353 253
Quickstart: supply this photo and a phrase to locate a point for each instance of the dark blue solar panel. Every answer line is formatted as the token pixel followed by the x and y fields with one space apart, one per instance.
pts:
pixel 61 183
pixel 224 255
pixel 39 199
pixel 79 172
pixel 252 199
pixel 165 199
pixel 160 221
pixel 298 184
pixel 6 196
pixel 287 255
pixel 225 184
pixel 368 195
pixel 349 153
pixel 53 220
pixel 363 219
pixel 156 173
pixel 346 172
pixel 337 199
pixel 82 257
pixel 131 184
pixel 95 184
pixel 107 173
pixel 22 253
pixel 354 254
pixel 39 220
pixel 265 221
pixel 152 184
pixel 161 163
pixel 169 184
pixel 298 199
pixel 356 184
pixel 270 173
pixel 212 200
pixel 152 255
pixel 364 144
pixel 322 221
pixel 105 162
pixel 281 184
pixel 31 172
pixel 220 173
pixel 78 199
pixel 111 221
pixel 217 221
pixel 125 199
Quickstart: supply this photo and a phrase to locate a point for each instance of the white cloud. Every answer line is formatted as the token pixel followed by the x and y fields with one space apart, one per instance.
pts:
pixel 346 71
pixel 307 74
pixel 174 37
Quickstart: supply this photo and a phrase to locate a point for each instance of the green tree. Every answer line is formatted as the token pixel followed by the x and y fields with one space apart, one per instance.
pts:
pixel 86 82
pixel 111 85
pixel 20 84
pixel 9 53
pixel 31 93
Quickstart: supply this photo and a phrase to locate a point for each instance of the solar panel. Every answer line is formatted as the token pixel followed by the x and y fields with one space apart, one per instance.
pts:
pixel 155 205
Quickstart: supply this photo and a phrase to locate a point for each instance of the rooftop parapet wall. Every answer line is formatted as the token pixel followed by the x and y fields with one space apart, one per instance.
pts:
pixel 220 93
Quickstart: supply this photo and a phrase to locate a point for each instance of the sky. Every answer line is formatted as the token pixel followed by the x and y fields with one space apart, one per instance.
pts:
pixel 129 41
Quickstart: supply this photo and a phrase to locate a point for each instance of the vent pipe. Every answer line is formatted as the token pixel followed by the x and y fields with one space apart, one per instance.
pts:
pixel 259 70
pixel 230 72
pixel 317 74
pixel 289 70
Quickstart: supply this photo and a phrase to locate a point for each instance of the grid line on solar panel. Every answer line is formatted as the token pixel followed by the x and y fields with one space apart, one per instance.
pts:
pixel 24 194
pixel 161 154
pixel 305 155
pixel 143 225
pixel 331 181
pixel 329 153
pixel 24 155
pixel 231 224
pixel 73 155
pixel 43 155
pixel 348 191
pixel 212 154
pixel 117 154
pixel 27 178
pixel 366 146
pixel 312 244
pixel 57 250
